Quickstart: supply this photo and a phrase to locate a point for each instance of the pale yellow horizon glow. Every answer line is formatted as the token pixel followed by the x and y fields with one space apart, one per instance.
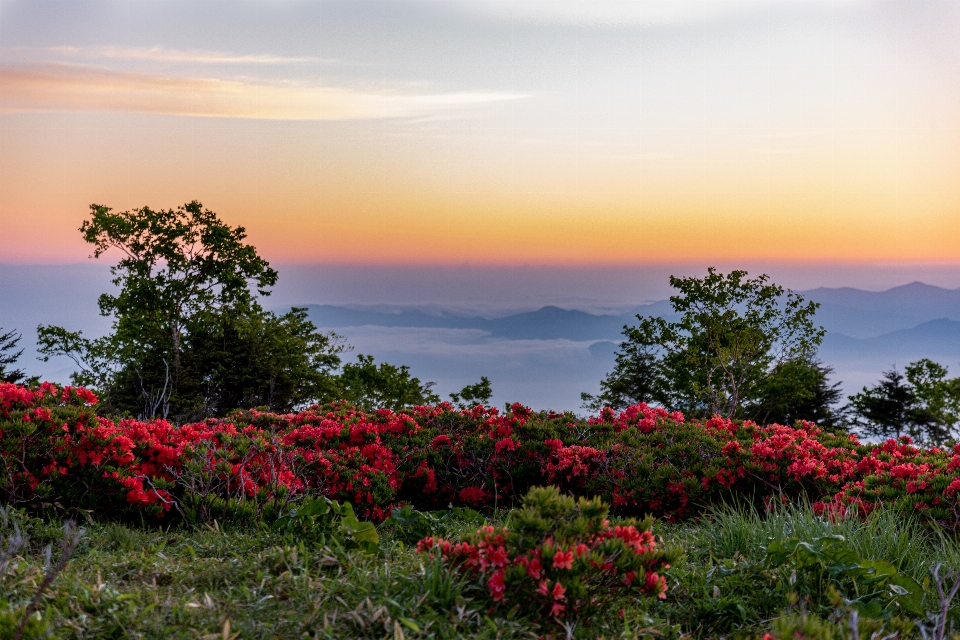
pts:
pixel 441 134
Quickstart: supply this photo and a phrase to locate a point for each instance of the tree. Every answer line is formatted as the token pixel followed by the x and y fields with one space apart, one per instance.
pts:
pixel 924 404
pixel 887 409
pixel 639 375
pixel 8 342
pixel 473 394
pixel 798 390
pixel 177 263
pixel 937 399
pixel 98 359
pixel 732 335
pixel 371 386
pixel 259 359
pixel 189 338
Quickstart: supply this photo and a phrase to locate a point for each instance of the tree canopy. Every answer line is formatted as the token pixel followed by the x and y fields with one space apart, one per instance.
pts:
pixel 176 264
pixel 473 394
pixel 9 342
pixel 734 333
pixel 924 404
pixel 189 337
pixel 371 386
pixel 798 389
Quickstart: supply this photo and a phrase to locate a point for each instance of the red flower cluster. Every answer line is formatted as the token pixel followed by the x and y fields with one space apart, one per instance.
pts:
pixel 641 460
pixel 576 565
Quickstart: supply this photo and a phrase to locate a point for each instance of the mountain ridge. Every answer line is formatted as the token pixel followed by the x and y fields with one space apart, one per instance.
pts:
pixel 853 312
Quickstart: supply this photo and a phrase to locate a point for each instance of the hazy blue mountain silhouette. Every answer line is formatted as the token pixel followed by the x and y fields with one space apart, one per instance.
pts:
pixel 851 312
pixel 865 314
pixel 935 339
pixel 544 324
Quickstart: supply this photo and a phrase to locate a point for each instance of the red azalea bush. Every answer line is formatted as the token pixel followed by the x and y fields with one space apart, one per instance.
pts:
pixel 54 448
pixel 559 557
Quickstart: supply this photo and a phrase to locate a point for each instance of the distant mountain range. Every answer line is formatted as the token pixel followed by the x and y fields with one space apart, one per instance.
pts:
pixel 867 332
pixel 547 323
pixel 544 357
pixel 854 313
pixel 935 339
pixel 867 314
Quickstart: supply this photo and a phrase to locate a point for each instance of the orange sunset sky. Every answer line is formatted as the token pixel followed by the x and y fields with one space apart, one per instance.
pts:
pixel 493 133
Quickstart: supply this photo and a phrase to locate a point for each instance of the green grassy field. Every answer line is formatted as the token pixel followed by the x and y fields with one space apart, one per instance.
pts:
pixel 140 581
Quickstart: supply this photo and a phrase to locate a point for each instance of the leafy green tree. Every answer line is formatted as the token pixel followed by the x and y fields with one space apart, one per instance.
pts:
pixel 188 338
pixel 886 409
pixel 473 394
pixel 176 264
pixel 924 404
pixel 8 342
pixel 98 360
pixel 936 399
pixel 798 389
pixel 732 334
pixel 372 386
pixel 638 376
pixel 259 359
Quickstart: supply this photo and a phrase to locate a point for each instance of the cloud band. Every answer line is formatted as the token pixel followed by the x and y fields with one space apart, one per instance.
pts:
pixel 65 87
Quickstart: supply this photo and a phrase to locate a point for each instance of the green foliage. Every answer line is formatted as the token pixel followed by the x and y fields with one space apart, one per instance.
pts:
pixel 327 522
pixel 25 618
pixel 885 409
pixel 176 264
pixel 732 334
pixel 473 394
pixel 372 386
pixel 872 587
pixel 259 359
pixel 559 561
pixel 259 582
pixel 744 566
pixel 924 404
pixel 844 623
pixel 409 525
pixel 639 375
pixel 8 342
pixel 99 360
pixel 797 390
pixel 937 400
pixel 36 627
pixel 189 340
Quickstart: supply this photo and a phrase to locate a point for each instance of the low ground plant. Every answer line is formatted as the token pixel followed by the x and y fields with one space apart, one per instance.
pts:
pixel 189 581
pixel 559 560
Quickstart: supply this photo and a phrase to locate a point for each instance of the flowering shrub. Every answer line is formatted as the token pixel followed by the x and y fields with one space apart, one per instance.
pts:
pixel 54 448
pixel 559 557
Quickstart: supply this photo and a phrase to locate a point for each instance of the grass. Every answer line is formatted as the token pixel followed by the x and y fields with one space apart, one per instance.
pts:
pixel 133 581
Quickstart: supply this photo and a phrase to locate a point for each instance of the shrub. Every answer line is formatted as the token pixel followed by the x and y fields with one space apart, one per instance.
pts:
pixel 252 464
pixel 559 559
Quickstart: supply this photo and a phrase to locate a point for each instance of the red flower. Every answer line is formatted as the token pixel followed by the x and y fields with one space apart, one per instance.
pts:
pixel 544 588
pixel 534 569
pixel 497 556
pixel 497 586
pixel 563 560
pixel 558 591
pixel 473 495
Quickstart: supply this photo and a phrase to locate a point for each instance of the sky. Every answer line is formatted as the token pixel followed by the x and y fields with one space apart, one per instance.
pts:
pixel 819 137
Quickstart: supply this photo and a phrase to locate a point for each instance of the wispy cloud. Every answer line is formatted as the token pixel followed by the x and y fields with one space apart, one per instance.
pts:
pixel 63 87
pixel 160 54
pixel 619 13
